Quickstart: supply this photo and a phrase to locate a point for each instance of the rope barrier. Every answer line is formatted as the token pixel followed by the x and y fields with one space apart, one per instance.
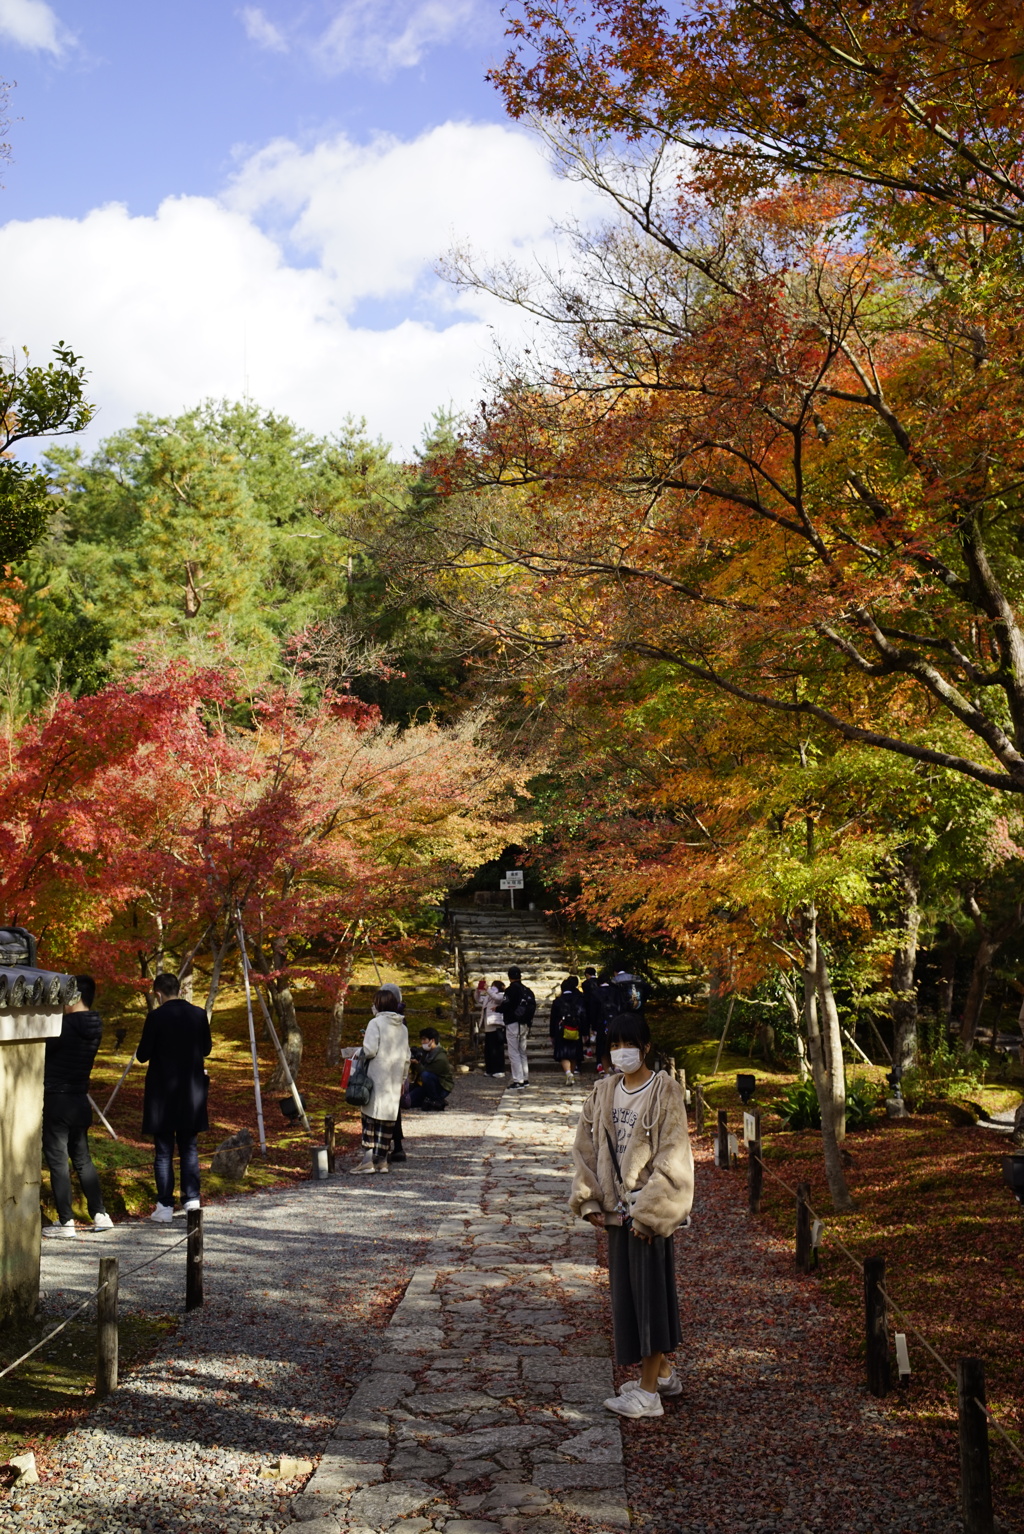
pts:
pixel 897 1310
pixel 88 1301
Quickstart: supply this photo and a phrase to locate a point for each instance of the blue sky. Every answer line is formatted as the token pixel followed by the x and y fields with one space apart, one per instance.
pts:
pixel 208 197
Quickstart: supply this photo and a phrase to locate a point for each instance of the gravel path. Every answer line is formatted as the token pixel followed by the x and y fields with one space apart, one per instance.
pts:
pixel 299 1283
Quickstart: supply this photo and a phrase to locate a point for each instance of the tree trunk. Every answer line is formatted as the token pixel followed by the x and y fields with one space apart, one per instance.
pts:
pixel 217 951
pixel 834 1174
pixel 904 963
pixel 338 1016
pixel 988 947
pixel 798 1029
pixel 832 1044
pixel 947 980
pixel 288 1028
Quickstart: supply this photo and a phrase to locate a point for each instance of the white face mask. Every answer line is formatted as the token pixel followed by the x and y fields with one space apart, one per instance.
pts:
pixel 627 1060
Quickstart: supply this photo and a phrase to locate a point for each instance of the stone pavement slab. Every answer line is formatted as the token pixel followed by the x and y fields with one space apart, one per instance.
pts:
pixel 491 1380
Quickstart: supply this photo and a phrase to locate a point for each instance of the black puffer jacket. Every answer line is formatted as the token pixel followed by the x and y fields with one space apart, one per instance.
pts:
pixel 175 1041
pixel 69 1057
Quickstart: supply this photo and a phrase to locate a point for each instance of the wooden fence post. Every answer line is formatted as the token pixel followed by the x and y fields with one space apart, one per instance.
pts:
pixel 804 1249
pixel 975 1472
pixel 106 1329
pixel 698 1094
pixel 876 1327
pixel 194 1260
pixel 755 1171
pixel 723 1139
pixel 329 1141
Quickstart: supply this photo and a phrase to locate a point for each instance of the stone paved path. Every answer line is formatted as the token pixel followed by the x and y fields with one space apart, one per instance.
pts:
pixel 482 1415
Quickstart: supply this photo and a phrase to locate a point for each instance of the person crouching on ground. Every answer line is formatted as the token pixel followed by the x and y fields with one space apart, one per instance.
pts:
pixel 634 1176
pixel 175 1042
pixel 433 1074
pixel 67 1112
pixel 386 1046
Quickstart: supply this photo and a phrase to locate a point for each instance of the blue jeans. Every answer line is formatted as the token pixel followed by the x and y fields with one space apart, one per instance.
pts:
pixel 428 1090
pixel 163 1166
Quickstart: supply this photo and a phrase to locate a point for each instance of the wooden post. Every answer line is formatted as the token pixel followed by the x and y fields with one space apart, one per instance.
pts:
pixel 755 1171
pixel 329 1141
pixel 723 1139
pixel 804 1250
pixel 194 1260
pixel 876 1328
pixel 975 1473
pixel 698 1094
pixel 106 1329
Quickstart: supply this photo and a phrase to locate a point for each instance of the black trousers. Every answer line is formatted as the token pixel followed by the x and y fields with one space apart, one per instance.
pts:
pixel 494 1051
pixel 62 1141
pixel 645 1306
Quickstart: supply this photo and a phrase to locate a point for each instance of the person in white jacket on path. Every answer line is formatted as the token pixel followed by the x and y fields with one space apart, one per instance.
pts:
pixel 386 1046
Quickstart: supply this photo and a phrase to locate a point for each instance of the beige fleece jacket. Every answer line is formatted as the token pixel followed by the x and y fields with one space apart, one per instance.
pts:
pixel 659 1162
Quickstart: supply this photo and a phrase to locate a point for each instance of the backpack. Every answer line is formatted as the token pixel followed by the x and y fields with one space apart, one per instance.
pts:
pixel 526 1006
pixel 630 999
pixel 572 1019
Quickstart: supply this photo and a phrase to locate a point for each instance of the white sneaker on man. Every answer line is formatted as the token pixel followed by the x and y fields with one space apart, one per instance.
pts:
pixel 65 1229
pixel 102 1221
pixel 163 1214
pixel 636 1403
pixel 671 1385
pixel 193 1203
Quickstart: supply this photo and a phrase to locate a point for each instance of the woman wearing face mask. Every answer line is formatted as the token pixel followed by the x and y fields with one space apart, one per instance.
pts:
pixel 634 1177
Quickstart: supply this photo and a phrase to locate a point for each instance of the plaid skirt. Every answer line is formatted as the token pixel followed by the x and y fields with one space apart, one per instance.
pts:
pixel 378 1135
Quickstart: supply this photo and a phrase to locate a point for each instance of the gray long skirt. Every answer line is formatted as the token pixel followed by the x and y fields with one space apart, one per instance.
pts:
pixel 645 1307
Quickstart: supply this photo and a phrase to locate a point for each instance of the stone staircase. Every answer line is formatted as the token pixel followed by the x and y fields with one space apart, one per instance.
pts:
pixel 488 941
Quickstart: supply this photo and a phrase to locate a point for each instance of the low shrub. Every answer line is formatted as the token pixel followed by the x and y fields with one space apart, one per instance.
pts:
pixel 799 1107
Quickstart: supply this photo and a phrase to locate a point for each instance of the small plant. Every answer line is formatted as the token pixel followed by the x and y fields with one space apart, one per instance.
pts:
pixel 799 1108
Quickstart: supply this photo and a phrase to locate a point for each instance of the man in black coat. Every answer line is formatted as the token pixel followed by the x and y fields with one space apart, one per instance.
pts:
pixel 175 1042
pixel 67 1113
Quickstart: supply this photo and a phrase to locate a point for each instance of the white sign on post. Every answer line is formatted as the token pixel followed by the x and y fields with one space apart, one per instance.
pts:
pixel 749 1128
pixel 515 878
pixel 503 884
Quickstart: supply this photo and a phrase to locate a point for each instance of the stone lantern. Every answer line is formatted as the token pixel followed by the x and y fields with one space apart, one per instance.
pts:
pixel 32 1003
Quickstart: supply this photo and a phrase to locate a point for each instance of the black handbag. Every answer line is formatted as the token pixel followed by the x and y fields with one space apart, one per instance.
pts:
pixel 360 1087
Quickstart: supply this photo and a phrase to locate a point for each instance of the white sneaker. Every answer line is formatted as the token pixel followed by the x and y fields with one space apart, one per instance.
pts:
pixel 672 1385
pixel 497 1075
pixel 66 1230
pixel 636 1403
pixel 363 1167
pixel 193 1203
pixel 163 1214
pixel 102 1221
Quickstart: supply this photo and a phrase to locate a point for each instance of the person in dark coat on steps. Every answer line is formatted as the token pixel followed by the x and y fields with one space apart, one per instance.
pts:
pixel 67 1112
pixel 175 1042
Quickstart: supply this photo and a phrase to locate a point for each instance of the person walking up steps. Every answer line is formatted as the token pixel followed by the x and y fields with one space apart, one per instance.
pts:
pixel 386 1046
pixel 567 1026
pixel 517 1009
pixel 634 1176
pixel 494 1030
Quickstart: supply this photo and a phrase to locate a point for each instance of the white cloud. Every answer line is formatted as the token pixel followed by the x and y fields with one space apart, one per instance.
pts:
pixel 260 30
pixel 385 35
pixel 32 24
pixel 311 279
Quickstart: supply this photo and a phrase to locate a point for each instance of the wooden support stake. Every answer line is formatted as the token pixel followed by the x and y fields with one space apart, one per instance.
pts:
pixel 723 1139
pixel 975 1472
pixel 194 1260
pixel 106 1329
pixel 698 1094
pixel 755 1171
pixel 876 1327
pixel 804 1249
pixel 329 1141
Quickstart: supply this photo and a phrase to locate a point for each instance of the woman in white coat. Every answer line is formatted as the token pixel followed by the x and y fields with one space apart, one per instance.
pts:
pixel 386 1046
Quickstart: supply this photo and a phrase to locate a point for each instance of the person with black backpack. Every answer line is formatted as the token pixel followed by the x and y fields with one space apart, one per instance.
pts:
pixel 567 1026
pixel 517 1009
